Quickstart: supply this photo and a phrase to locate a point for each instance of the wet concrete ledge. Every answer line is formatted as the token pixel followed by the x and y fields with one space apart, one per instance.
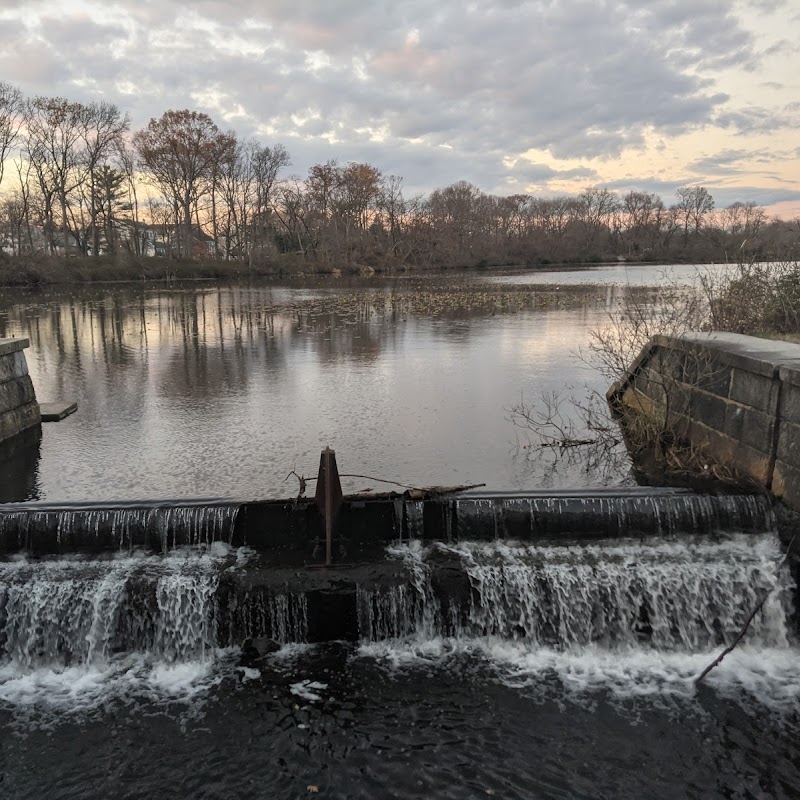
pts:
pixel 291 532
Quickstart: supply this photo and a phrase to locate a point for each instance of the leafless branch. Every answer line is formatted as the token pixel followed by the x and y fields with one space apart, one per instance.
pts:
pixel 739 636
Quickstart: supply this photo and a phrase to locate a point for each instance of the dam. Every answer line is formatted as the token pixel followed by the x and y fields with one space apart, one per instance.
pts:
pixel 280 591
pixel 167 627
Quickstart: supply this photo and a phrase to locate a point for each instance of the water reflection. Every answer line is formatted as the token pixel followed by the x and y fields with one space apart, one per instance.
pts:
pixel 222 390
pixel 19 467
pixel 618 275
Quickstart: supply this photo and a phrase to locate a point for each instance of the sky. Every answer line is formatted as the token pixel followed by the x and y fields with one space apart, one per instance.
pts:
pixel 540 97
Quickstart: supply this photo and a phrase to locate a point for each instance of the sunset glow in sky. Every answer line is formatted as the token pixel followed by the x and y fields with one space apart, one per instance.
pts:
pixel 542 97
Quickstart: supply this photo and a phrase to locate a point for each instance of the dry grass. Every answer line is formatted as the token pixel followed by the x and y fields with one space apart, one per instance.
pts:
pixel 41 270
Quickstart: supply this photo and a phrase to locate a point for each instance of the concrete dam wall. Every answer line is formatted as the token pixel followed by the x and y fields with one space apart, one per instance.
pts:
pixel 19 410
pixel 447 565
pixel 735 397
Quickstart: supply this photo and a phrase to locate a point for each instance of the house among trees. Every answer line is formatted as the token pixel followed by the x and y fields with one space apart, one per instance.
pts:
pixel 161 240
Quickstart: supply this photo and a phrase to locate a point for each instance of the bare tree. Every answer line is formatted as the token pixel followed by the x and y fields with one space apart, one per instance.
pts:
pixel 321 222
pixel 392 206
pixel 235 180
pixel 354 201
pixel 178 152
pixel 126 158
pixel 54 128
pixel 101 134
pixel 266 162
pixel 452 215
pixel 643 217
pixel 12 115
pixel 595 207
pixel 293 213
pixel 694 204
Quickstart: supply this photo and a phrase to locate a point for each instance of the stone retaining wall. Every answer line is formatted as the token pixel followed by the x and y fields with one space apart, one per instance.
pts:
pixel 19 410
pixel 736 397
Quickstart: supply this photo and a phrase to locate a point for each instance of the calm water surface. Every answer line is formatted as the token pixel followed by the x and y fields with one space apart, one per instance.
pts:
pixel 206 391
pixel 617 275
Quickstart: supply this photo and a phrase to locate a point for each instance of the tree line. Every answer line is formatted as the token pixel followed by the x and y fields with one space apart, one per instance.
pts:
pixel 75 179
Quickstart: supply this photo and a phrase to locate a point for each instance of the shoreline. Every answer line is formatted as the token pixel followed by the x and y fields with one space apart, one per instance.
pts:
pixel 25 273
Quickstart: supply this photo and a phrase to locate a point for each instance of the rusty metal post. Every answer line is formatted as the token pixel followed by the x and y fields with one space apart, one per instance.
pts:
pixel 328 497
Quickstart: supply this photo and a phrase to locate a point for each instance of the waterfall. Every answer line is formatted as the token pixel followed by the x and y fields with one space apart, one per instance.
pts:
pixel 159 528
pixel 273 613
pixel 599 514
pixel 79 612
pixel 689 594
pixel 390 614
pixel 173 608
pixel 608 514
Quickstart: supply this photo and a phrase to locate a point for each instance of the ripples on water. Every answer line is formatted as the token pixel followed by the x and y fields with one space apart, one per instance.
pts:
pixel 440 720
pixel 203 391
pixel 422 715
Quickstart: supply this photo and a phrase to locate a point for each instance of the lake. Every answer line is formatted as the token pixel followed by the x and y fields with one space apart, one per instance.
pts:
pixel 206 391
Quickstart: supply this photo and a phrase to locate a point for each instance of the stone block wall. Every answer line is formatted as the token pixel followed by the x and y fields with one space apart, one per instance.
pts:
pixel 19 410
pixel 786 478
pixel 736 397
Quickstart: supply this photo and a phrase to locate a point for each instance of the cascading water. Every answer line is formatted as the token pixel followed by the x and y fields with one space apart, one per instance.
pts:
pixel 82 612
pixel 69 612
pixel 609 514
pixel 159 528
pixel 277 614
pixel 673 594
pixel 392 613
pixel 682 595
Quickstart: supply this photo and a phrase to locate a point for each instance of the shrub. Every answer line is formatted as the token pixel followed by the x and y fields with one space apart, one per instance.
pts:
pixel 759 298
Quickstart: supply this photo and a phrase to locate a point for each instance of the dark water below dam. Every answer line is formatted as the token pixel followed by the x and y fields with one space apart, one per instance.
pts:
pixel 561 671
pixel 492 648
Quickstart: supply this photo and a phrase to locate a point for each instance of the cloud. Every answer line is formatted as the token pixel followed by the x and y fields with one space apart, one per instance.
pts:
pixel 437 88
pixel 755 119
pixel 723 195
pixel 761 196
pixel 735 162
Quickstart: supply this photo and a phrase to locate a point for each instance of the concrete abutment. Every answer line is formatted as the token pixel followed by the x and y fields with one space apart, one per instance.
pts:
pixel 735 397
pixel 19 410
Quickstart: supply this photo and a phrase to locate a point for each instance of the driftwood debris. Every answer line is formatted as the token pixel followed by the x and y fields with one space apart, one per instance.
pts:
pixel 437 491
pixel 410 492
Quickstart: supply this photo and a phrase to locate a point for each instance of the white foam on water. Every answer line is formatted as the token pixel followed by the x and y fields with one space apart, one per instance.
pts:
pixel 769 677
pixel 182 680
pixel 291 651
pixel 243 555
pixel 305 689
pixel 49 693
pixel 681 593
pixel 412 652
pixel 220 549
pixel 572 615
pixel 65 620
pixel 249 673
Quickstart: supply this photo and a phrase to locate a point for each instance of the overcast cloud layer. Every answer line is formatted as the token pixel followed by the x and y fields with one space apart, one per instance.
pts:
pixel 513 96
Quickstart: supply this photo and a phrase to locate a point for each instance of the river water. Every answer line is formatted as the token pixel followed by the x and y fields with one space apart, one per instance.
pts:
pixel 220 391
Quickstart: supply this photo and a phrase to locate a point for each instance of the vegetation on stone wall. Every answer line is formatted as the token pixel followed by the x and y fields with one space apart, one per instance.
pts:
pixel 753 298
